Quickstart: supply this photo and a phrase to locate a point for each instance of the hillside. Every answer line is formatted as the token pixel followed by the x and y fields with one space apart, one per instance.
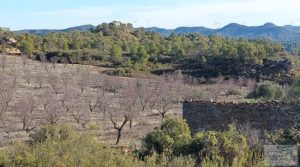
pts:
pixel 45 31
pixel 130 52
pixel 268 30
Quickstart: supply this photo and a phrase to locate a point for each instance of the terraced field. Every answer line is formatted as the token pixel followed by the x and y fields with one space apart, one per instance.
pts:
pixel 34 94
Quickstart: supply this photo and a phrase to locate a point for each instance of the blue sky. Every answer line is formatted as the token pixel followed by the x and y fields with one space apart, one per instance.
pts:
pixel 28 14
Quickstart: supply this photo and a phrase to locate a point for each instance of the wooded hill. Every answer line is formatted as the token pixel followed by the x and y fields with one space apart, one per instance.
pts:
pixel 130 50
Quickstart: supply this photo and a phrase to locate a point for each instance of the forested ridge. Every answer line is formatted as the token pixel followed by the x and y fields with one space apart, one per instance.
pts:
pixel 131 50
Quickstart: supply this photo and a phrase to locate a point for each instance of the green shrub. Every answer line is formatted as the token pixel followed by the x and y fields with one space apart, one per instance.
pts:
pixel 229 147
pixel 289 136
pixel 172 139
pixel 267 91
pixel 51 133
pixel 170 145
pixel 58 146
pixel 294 92
pixel 73 149
pixel 172 136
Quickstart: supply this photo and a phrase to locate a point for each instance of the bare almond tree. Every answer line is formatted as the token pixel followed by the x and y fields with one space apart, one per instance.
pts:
pixel 64 61
pixel 121 115
pixel 190 93
pixel 144 94
pixel 165 101
pixel 53 81
pixel 2 108
pixel 104 104
pixel 7 92
pixel 97 82
pixel 66 79
pixel 40 79
pixel 93 102
pixel 111 85
pixel 27 76
pixel 3 58
pixel 43 59
pixel 81 116
pixel 25 109
pixel 83 81
pixel 78 68
pixel 24 60
pixel 119 128
pixel 14 80
pixel 68 97
pixel 51 108
pixel 54 60
pixel 13 63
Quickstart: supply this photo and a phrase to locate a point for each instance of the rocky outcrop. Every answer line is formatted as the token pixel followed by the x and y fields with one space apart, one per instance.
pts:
pixel 10 45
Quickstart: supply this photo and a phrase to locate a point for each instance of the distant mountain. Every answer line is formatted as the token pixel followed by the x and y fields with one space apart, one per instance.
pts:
pixel 286 33
pixel 268 30
pixel 44 31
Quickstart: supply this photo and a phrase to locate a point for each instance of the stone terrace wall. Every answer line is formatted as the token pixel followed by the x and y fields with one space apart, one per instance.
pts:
pixel 216 116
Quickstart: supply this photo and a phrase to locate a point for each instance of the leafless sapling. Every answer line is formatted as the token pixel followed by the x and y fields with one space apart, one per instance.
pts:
pixel 53 81
pixel 83 81
pixel 25 109
pixel 165 101
pixel 51 109
pixel 40 78
pixel 111 85
pixel 104 104
pixel 68 97
pixel 7 92
pixel 81 116
pixel 3 58
pixel 24 60
pixel 93 102
pixel 66 79
pixel 54 61
pixel 144 94
pixel 27 76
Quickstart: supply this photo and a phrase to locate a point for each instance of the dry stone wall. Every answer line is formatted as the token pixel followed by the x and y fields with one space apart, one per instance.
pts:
pixel 216 116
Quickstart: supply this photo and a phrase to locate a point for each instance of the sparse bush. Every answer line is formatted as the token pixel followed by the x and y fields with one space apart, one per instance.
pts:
pixel 294 92
pixel 267 91
pixel 289 136
pixel 124 72
pixel 51 133
pixel 234 92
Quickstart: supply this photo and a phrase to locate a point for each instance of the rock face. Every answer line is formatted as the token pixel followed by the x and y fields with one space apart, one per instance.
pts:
pixel 217 116
pixel 11 41
pixel 10 45
pixel 13 51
